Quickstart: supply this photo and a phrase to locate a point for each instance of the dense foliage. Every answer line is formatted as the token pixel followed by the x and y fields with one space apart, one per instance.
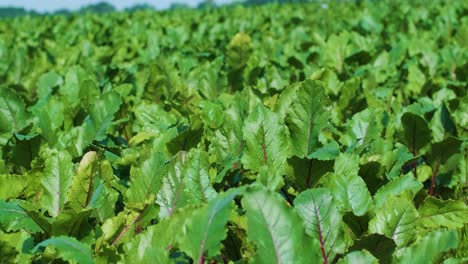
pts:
pixel 276 134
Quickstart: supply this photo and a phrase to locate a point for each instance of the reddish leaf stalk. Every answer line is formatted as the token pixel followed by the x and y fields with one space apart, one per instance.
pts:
pixel 239 151
pixel 174 203
pixel 434 174
pixel 139 227
pixel 225 261
pixel 201 259
pixel 319 229
pixel 125 230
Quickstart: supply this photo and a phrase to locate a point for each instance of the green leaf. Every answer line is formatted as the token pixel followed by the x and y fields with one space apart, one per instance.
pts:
pixel 74 80
pixel 13 115
pixel 456 260
pixel 121 227
pixel 102 113
pixel 396 219
pixel 57 179
pixel 13 247
pixel 25 150
pixel 172 194
pixel 68 249
pixel 429 248
pixel 307 116
pixel 206 228
pixel 362 128
pixel 13 218
pixel 188 136
pixel 46 82
pixel 33 212
pixel 447 121
pixel 152 118
pixel 197 178
pixel 238 50
pixel 266 141
pixel 228 139
pixel 395 188
pixel 187 181
pixel 276 229
pixel 12 185
pixel 307 172
pixel 416 80
pixel 348 189
pixel 347 165
pixel 395 161
pixel 83 183
pixel 442 151
pixel 155 243
pixel 362 256
pixel 70 223
pixel 327 152
pixel 212 114
pixel 103 200
pixel 416 132
pixel 146 179
pixel 50 119
pixel 435 213
pixel 323 221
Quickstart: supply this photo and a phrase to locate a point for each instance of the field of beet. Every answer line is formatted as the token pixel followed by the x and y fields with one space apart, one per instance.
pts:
pixel 283 133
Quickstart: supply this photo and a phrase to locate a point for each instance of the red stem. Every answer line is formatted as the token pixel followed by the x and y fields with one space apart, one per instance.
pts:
pixel 322 244
pixel 234 167
pixel 201 259
pixel 125 230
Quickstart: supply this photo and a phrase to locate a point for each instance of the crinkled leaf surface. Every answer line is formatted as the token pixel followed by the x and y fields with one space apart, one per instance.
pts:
pixel 395 188
pixel 434 213
pixel 13 115
pixel 207 227
pixel 344 125
pixel 323 220
pixel 172 194
pixel 428 248
pixel 13 217
pixel 155 243
pixel 306 116
pixel 186 181
pixel 102 113
pixel 348 189
pixel 83 182
pixel 197 178
pixel 277 230
pixel 265 139
pixel 56 181
pixel 146 179
pixel 396 219
pixel 68 248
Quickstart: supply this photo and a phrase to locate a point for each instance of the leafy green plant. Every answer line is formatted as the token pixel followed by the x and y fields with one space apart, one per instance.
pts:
pixel 236 135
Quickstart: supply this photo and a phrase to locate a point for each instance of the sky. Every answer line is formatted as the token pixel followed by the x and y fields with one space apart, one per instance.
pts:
pixel 53 5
